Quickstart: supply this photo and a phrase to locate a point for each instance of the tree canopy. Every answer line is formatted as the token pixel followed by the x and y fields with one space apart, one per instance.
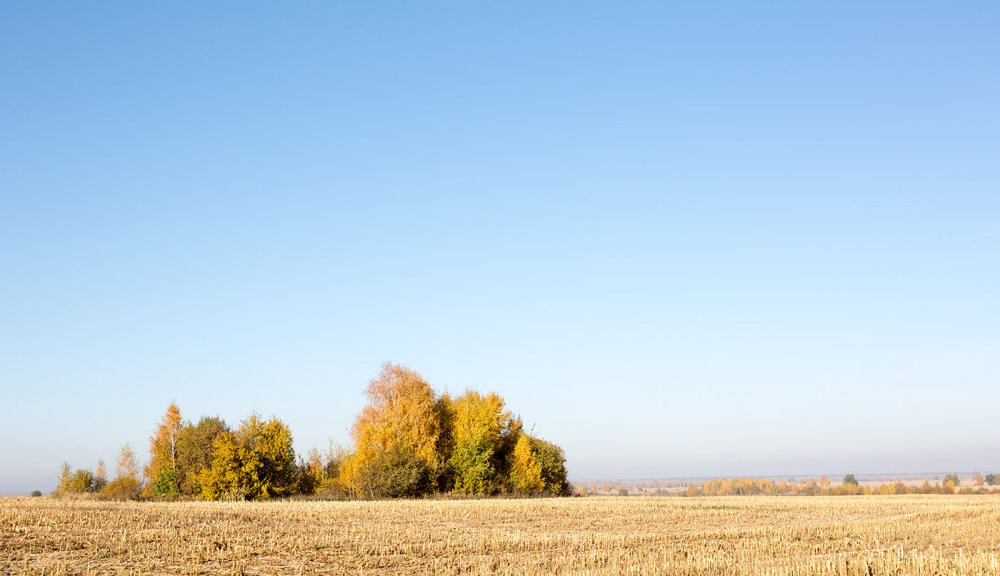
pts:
pixel 409 441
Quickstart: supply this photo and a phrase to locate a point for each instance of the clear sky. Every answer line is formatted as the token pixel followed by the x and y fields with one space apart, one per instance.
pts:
pixel 681 238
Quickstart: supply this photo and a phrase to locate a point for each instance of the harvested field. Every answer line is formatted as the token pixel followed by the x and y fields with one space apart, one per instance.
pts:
pixel 897 535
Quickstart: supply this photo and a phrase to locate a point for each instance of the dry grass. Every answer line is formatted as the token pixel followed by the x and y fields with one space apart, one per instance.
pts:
pixel 898 535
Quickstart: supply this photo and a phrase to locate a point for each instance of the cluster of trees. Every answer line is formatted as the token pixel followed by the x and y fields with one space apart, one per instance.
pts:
pixel 408 442
pixel 849 486
pixel 126 485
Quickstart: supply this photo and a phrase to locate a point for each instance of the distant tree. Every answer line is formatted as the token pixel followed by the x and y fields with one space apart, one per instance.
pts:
pixel 257 461
pixel 824 482
pixel 953 478
pixel 100 476
pixel 850 480
pixel 163 454
pixel 623 492
pixel 65 471
pixel 81 481
pixel 948 486
pixel 127 484
pixel 977 479
pixel 36 493
pixel 992 479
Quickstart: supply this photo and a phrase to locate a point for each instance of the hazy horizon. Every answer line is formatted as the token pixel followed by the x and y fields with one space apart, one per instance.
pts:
pixel 681 239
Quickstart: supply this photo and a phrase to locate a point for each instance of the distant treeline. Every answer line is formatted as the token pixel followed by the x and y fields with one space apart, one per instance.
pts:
pixel 408 442
pixel 849 486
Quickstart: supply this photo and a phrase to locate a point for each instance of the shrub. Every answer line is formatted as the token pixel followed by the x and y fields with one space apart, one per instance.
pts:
pixel 123 488
pixel 397 473
pixel 166 485
pixel 81 481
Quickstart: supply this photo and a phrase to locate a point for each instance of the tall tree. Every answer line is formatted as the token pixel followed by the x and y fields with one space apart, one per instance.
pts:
pixel 162 467
pixel 402 418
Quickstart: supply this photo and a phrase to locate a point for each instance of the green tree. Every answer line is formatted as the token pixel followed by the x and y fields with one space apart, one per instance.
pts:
pixel 395 473
pixel 553 462
pixel 257 461
pixel 850 480
pixel 81 481
pixel 195 448
pixel 166 485
pixel 480 426
pixel 444 408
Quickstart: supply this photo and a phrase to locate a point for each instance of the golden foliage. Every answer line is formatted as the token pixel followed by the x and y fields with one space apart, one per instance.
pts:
pixel 525 471
pixel 402 416
pixel 163 446
pixel 256 461
pixel 480 426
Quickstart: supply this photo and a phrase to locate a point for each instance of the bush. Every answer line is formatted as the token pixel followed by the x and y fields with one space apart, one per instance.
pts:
pixel 36 493
pixel 81 481
pixel 123 489
pixel 394 474
pixel 166 485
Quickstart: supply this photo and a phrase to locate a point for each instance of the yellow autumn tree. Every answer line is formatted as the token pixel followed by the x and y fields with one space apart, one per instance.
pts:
pixel 525 469
pixel 396 437
pixel 127 484
pixel 256 461
pixel 480 428
pixel 162 467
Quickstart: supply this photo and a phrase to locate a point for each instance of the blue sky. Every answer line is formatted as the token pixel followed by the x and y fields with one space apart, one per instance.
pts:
pixel 681 238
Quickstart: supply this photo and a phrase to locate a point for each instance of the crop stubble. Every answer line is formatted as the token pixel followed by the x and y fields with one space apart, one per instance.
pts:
pixel 899 535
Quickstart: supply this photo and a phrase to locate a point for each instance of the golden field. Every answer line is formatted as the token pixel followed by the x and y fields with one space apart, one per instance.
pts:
pixel 898 535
